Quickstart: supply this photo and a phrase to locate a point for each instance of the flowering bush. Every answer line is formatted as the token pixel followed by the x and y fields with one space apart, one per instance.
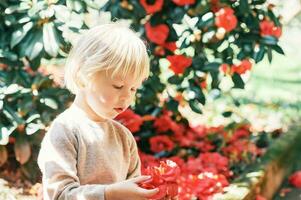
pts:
pixel 201 41
pixel 209 158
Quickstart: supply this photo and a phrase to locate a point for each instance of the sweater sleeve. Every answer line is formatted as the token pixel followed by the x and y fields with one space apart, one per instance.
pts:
pixel 57 160
pixel 135 163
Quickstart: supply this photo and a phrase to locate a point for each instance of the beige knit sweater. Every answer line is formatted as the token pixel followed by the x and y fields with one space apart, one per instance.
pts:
pixel 79 157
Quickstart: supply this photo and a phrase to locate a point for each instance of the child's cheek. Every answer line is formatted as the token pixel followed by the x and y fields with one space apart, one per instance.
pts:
pixel 109 97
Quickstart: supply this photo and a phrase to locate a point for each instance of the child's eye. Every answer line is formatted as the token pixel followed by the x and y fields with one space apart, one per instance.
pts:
pixel 117 87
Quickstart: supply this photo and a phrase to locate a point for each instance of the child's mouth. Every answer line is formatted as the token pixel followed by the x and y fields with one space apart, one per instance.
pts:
pixel 119 110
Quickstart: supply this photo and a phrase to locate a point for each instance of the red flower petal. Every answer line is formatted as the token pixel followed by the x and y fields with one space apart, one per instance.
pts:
pixel 152 8
pixel 178 63
pixel 183 2
pixel 295 179
pixel 161 143
pixel 244 66
pixel 157 34
pixel 130 119
pixel 226 19
pixel 268 28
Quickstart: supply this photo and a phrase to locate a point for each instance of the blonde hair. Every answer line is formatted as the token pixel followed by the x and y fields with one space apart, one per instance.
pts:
pixel 109 46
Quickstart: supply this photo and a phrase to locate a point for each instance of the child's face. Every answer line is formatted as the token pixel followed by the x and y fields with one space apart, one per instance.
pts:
pixel 108 96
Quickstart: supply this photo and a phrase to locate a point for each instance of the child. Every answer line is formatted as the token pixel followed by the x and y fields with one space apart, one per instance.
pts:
pixel 86 155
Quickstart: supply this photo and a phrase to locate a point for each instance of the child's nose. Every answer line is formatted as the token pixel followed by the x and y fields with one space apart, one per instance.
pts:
pixel 126 95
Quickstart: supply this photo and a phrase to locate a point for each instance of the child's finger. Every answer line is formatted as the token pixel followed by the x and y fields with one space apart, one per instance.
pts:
pixel 148 193
pixel 139 179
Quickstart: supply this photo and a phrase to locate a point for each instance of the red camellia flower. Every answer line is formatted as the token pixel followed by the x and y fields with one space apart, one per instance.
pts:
pixel 161 143
pixel 183 2
pixel 214 162
pixel 157 34
pixel 240 133
pixel 131 120
pixel 152 8
pixel 209 184
pixel 163 123
pixel 163 177
pixel 295 179
pixel 178 63
pixel 147 160
pixel 208 162
pixel 226 19
pixel 259 197
pixel 268 28
pixel 237 149
pixel 241 68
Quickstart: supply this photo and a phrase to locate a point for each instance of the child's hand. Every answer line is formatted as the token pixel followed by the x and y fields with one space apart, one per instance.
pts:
pixel 129 189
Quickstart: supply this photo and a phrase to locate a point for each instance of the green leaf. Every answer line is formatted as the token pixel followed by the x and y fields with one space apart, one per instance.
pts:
pixel 238 82
pixel 227 114
pixel 244 6
pixel 198 63
pixel 19 34
pixel 50 102
pixel 269 40
pixel 11 114
pixel 177 15
pixel 35 45
pixel 270 56
pixel 215 80
pixel 76 5
pixel 76 20
pixel 205 21
pixel 214 66
pixel 50 40
pixel 62 13
pixel 194 105
pixel 33 128
pixel 199 95
pixel 258 2
pixel 258 55
pixel 8 55
pixel 175 80
pixel 32 44
pixel 172 105
pixel 278 49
